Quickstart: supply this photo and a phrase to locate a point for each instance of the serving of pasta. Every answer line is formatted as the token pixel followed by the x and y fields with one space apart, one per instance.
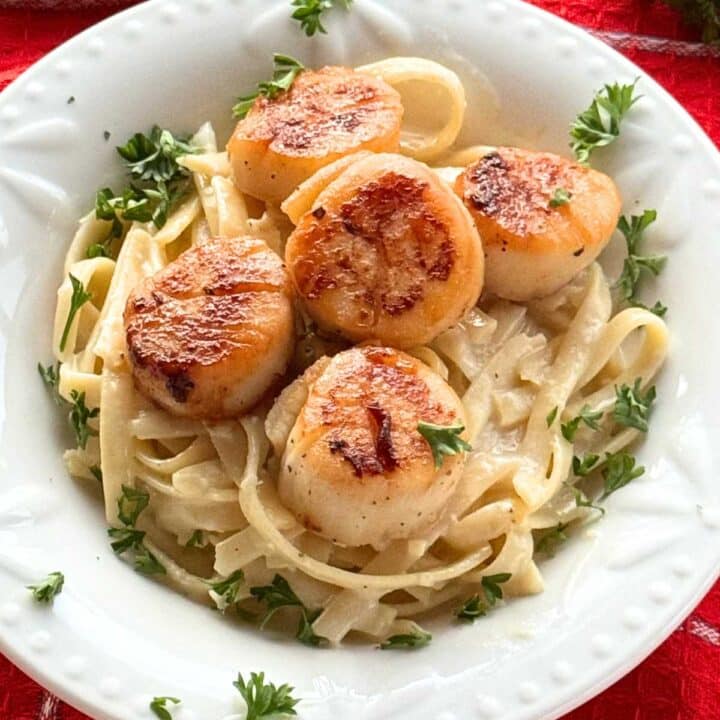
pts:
pixel 346 371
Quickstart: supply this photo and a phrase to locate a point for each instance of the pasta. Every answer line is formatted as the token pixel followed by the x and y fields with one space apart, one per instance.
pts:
pixel 214 508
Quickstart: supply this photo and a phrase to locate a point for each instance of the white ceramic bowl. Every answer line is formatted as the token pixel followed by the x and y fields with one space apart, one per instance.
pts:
pixel 113 639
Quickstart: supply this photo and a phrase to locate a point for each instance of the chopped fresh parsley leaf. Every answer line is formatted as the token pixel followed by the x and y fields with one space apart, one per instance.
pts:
pixel 491 587
pixel 586 416
pixel 225 592
pixel 80 414
pixel 599 125
pixel 49 588
pixel 619 470
pixel 147 563
pixel 196 540
pixel 153 157
pixel 406 641
pixel 550 419
pixel 79 297
pixel 560 197
pixel 286 70
pixel 583 467
pixel 472 609
pixel 635 263
pixel 71 100
pixel 130 504
pixel 97 250
pixel 264 700
pixel 550 540
pixel 51 377
pixel 159 707
pixel 704 14
pixel 443 440
pixel 97 473
pixel 582 500
pixel 125 539
pixel 107 134
pixel 279 595
pixel 632 407
pixel 308 13
pixel 659 309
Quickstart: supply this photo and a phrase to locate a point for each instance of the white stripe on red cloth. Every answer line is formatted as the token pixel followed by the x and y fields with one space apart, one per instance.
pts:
pixel 704 631
pixel 49 708
pixel 650 43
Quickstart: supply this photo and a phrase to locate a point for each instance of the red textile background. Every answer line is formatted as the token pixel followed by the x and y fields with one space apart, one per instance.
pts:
pixel 681 680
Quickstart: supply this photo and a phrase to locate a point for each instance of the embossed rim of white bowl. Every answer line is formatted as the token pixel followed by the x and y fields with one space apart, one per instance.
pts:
pixel 556 698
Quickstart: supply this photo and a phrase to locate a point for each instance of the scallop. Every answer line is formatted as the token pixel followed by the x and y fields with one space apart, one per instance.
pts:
pixel 327 114
pixel 356 469
pixel 212 332
pixel 542 218
pixel 385 252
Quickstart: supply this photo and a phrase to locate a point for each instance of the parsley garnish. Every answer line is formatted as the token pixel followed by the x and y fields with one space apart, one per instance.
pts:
pixel 97 473
pixel 549 542
pixel 560 197
pixel 587 416
pixel 635 263
pixel 159 707
pixel 78 299
pixel 195 540
pixel 619 471
pixel 80 414
pixel 49 588
pixel 583 501
pixel 583 467
pixel 279 595
pixel 286 70
pixel 416 639
pixel 71 100
pixel 550 419
pixel 476 606
pixel 599 125
pixel 309 11
pixel 443 440
pixel 130 504
pixel 154 157
pixel 225 592
pixel 264 700
pixel 632 407
pixel 51 377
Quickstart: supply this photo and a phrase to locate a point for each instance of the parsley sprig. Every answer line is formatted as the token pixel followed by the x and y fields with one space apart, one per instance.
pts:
pixel 47 590
pixel 264 699
pixel 159 183
pixel 636 263
pixel 309 12
pixel 51 377
pixel 632 406
pixel 551 539
pixel 599 125
pixel 159 706
pixel 225 592
pixel 80 415
pixel 407 641
pixel 586 416
pixel 444 440
pixel 286 70
pixel 702 13
pixel 478 606
pixel 130 505
pixel 560 197
pixel 620 469
pixel 279 595
pixel 79 297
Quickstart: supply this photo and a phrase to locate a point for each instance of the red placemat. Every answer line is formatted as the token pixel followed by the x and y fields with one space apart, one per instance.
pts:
pixel 681 680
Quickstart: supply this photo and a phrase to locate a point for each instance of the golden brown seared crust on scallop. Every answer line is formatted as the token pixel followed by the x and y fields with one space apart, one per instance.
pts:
pixel 533 248
pixel 387 252
pixel 325 115
pixel 210 333
pixel 356 469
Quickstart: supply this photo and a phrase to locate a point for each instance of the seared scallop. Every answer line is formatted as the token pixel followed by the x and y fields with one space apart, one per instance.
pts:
pixel 325 115
pixel 386 252
pixel 542 219
pixel 356 469
pixel 209 334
